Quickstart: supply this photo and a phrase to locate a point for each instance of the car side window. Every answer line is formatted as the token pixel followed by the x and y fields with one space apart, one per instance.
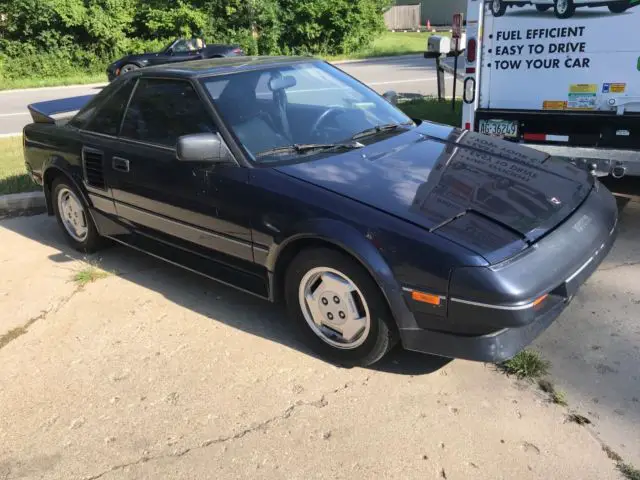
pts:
pixel 162 110
pixel 109 114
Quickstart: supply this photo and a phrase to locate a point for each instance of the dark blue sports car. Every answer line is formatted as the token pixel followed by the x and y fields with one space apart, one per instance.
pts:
pixel 292 181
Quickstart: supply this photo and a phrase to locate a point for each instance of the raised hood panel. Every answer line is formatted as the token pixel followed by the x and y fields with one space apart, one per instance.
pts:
pixel 433 175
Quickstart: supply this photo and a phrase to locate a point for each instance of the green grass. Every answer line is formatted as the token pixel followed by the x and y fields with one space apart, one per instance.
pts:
pixel 12 84
pixel 88 275
pixel 628 471
pixel 556 396
pixel 13 176
pixel 527 364
pixel 390 44
pixel 429 108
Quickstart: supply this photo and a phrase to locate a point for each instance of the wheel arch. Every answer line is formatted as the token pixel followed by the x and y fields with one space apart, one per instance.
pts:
pixel 347 240
pixel 55 168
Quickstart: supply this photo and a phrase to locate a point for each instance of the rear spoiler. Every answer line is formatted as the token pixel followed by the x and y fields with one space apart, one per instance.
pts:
pixel 53 110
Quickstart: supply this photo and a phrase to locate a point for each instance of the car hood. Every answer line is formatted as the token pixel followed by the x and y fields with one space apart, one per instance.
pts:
pixel 490 195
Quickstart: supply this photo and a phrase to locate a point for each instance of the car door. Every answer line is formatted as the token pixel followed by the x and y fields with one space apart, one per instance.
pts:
pixel 190 205
pixel 97 126
pixel 181 51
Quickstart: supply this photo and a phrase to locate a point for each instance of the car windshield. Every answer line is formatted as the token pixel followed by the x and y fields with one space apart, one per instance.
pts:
pixel 297 105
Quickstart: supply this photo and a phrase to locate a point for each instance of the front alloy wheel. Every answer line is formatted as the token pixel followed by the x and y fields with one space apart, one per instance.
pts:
pixel 337 308
pixel 334 308
pixel 129 67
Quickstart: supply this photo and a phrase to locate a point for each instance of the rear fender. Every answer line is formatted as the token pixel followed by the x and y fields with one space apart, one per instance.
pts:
pixel 58 166
pixel 354 243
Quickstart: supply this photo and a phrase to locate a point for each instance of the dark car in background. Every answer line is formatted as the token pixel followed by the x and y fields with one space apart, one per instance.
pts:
pixel 180 50
pixel 289 179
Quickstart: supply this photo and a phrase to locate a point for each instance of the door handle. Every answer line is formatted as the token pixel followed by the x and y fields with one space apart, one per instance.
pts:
pixel 120 164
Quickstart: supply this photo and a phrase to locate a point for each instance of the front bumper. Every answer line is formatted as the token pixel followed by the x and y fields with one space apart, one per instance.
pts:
pixel 483 329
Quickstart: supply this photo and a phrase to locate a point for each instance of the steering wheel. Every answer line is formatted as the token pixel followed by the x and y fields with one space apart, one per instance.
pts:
pixel 323 117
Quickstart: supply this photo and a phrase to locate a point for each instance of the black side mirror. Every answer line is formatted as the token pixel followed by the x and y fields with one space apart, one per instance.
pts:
pixel 203 147
pixel 169 51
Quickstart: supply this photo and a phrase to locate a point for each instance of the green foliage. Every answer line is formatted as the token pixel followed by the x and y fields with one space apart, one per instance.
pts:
pixel 429 108
pixel 45 38
pixel 526 364
pixel 629 471
pixel 331 27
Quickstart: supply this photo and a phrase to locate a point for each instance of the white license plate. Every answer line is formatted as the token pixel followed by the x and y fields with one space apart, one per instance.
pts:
pixel 499 128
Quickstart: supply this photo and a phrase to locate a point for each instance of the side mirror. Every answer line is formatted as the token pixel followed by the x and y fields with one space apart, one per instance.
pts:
pixel 169 51
pixel 391 97
pixel 203 147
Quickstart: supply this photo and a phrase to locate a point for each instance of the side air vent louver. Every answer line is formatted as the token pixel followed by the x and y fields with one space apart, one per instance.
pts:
pixel 93 170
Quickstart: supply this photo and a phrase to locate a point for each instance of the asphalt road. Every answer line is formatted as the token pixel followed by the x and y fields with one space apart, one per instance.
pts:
pixel 408 75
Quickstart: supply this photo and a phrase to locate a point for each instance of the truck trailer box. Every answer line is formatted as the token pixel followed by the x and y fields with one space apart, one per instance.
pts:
pixel 562 76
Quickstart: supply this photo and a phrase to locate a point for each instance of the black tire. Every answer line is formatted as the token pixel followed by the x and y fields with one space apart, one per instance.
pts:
pixel 567 13
pixel 93 240
pixel 382 332
pixel 619 7
pixel 129 67
pixel 498 8
pixel 542 8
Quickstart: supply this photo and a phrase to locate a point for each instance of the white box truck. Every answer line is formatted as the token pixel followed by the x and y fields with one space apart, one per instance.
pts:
pixel 562 76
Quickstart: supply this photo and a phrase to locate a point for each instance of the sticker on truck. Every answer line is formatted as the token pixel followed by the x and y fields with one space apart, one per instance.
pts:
pixel 614 87
pixel 554 105
pixel 582 96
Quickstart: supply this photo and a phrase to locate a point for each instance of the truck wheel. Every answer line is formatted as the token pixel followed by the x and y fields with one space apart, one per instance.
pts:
pixel 564 8
pixel 337 308
pixel 542 8
pixel 498 8
pixel 619 7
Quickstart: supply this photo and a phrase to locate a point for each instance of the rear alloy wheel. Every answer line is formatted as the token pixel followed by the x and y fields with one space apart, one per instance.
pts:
pixel 619 7
pixel 498 8
pixel 129 67
pixel 74 218
pixel 542 8
pixel 338 309
pixel 564 8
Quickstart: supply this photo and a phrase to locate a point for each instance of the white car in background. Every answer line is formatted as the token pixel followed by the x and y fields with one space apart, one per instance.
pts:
pixel 562 8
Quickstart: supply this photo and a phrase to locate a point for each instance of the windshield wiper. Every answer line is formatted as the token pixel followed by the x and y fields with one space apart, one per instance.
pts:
pixel 309 147
pixel 379 129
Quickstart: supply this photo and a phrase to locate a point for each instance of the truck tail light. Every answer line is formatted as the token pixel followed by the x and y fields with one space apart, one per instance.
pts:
pixel 237 51
pixel 472 50
pixel 469 94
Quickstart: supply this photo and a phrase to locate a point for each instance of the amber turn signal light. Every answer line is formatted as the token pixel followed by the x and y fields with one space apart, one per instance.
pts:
pixel 539 300
pixel 425 298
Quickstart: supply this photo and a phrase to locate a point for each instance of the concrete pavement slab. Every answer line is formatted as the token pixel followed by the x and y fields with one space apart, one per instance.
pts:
pixel 154 372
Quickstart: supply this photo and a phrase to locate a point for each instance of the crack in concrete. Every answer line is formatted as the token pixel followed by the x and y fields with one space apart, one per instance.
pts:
pixel 622 265
pixel 17 332
pixel 320 403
